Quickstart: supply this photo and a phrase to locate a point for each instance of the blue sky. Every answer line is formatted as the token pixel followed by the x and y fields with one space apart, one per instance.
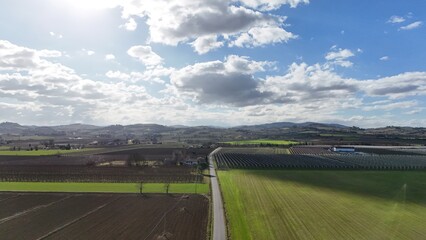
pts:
pixel 216 62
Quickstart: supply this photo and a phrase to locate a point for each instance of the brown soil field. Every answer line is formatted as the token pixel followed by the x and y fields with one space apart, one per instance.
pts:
pixel 103 216
pixel 21 203
pixel 46 160
pixel 5 196
pixel 163 151
pixel 149 154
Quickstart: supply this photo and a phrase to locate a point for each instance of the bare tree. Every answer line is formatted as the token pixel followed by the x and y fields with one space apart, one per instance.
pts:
pixel 167 187
pixel 141 188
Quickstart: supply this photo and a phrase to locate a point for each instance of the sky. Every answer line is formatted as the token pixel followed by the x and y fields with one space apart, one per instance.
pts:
pixel 213 62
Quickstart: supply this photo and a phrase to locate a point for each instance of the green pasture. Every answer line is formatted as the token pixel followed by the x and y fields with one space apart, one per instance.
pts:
pixel 262 141
pixel 102 187
pixel 283 204
pixel 43 152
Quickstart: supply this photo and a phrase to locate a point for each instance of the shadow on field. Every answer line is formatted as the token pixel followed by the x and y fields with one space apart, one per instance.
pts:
pixel 406 186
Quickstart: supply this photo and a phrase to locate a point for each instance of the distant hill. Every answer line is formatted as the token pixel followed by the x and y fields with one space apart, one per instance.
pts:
pixel 11 128
pixel 277 129
pixel 75 127
pixel 291 124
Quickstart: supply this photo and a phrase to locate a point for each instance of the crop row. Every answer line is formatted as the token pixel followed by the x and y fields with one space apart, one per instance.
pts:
pixel 382 161
pixel 331 161
pixel 96 174
pixel 309 150
pixel 238 160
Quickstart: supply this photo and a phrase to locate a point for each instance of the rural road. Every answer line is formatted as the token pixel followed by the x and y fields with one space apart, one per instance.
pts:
pixel 219 225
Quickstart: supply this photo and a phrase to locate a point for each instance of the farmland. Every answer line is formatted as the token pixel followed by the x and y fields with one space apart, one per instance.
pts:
pixel 262 142
pixel 124 165
pixel 308 204
pixel 162 174
pixel 94 193
pixel 227 158
pixel 42 152
pixel 102 187
pixel 102 216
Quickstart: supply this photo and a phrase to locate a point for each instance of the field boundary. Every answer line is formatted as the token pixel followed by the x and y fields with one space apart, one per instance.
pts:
pixel 59 187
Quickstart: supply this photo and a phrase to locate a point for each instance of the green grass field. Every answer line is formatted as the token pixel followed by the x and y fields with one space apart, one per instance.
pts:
pixel 43 152
pixel 102 187
pixel 280 204
pixel 261 141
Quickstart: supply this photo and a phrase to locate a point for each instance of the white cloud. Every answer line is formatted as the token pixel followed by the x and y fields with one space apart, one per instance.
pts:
pixel 384 58
pixel 130 25
pixel 88 52
pixel 229 82
pixel 398 86
pixel 153 75
pixel 316 84
pixel 205 44
pixel 55 92
pixel 391 106
pixel 412 26
pixel 396 19
pixel 173 22
pixel 259 36
pixel 35 90
pixel 56 35
pixel 117 75
pixel 268 5
pixel 145 55
pixel 109 57
pixel 49 53
pixel 18 58
pixel 340 56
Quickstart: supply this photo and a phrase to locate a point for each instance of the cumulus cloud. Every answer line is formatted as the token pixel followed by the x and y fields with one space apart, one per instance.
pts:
pixel 384 58
pixel 229 82
pixel 205 44
pixel 33 89
pixel 130 25
pixel 272 4
pixel 396 19
pixel 310 84
pixel 54 91
pixel 145 55
pixel 340 56
pixel 412 26
pixel 109 57
pixel 178 21
pixel 153 75
pixel 259 36
pixel 18 58
pixel 399 86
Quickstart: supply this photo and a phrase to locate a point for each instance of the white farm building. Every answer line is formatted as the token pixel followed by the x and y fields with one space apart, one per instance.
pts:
pixel 343 149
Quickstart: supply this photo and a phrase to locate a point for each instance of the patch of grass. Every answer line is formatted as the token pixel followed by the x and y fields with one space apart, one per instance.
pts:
pixel 282 204
pixel 101 187
pixel 262 141
pixel 43 152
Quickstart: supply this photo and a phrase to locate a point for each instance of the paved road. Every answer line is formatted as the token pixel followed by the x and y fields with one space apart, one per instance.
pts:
pixel 219 223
